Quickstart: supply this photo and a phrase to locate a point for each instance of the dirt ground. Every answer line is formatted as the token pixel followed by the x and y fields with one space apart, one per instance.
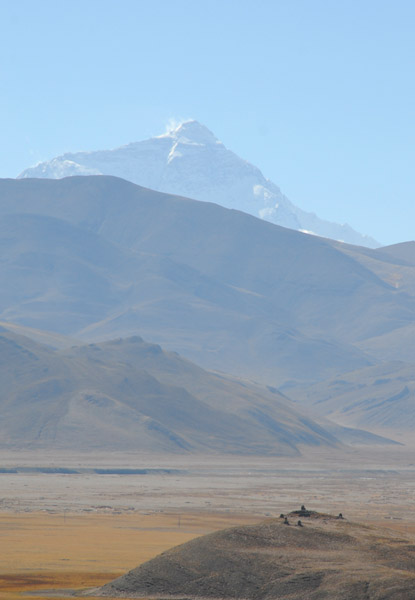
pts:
pixel 83 529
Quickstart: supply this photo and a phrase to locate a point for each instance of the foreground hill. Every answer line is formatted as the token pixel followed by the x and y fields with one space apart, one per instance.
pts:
pixel 98 257
pixel 190 161
pixel 130 395
pixel 325 558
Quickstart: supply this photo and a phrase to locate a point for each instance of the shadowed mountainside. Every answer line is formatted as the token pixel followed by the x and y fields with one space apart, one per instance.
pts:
pixel 98 257
pixel 380 397
pixel 127 394
pixel 325 558
pixel 404 251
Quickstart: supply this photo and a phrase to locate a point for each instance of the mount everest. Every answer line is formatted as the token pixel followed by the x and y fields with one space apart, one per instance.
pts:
pixel 190 161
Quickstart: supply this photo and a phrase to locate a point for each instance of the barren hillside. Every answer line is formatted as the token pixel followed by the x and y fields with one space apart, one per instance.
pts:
pixel 325 557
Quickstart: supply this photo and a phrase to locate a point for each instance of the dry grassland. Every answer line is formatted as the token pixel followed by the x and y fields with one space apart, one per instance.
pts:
pixel 56 551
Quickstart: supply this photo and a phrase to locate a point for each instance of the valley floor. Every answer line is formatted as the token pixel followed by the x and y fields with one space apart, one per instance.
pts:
pixel 79 530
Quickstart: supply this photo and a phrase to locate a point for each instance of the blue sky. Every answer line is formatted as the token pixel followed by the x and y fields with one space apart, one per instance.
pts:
pixel 319 94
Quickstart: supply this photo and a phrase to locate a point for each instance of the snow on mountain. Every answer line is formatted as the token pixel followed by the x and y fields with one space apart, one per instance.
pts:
pixel 190 161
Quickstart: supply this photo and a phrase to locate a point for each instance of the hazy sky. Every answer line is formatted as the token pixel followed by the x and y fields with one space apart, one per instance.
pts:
pixel 319 94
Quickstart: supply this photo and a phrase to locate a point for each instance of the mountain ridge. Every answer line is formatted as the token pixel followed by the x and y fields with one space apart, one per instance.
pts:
pixel 190 161
pixel 178 267
pixel 98 257
pixel 131 395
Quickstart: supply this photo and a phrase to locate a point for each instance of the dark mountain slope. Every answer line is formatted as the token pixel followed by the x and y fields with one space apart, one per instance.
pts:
pixel 378 398
pixel 56 275
pixel 47 338
pixel 114 397
pixel 223 288
pixel 395 265
pixel 307 279
pixel 404 251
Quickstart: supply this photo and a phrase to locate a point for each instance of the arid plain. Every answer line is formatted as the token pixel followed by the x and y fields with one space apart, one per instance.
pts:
pixel 66 526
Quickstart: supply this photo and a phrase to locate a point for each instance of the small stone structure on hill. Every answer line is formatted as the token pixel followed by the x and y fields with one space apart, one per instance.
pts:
pixel 268 561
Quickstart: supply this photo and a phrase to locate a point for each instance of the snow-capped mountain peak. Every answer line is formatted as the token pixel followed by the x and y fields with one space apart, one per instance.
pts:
pixel 188 160
pixel 191 132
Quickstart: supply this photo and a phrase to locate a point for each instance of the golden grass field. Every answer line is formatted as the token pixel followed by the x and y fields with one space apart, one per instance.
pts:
pixel 56 551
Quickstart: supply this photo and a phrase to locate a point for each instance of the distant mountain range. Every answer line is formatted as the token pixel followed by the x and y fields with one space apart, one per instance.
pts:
pixel 131 395
pixel 190 161
pixel 381 397
pixel 97 258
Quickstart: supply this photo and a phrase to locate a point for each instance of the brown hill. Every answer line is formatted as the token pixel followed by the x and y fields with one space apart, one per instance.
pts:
pixel 131 395
pixel 325 558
